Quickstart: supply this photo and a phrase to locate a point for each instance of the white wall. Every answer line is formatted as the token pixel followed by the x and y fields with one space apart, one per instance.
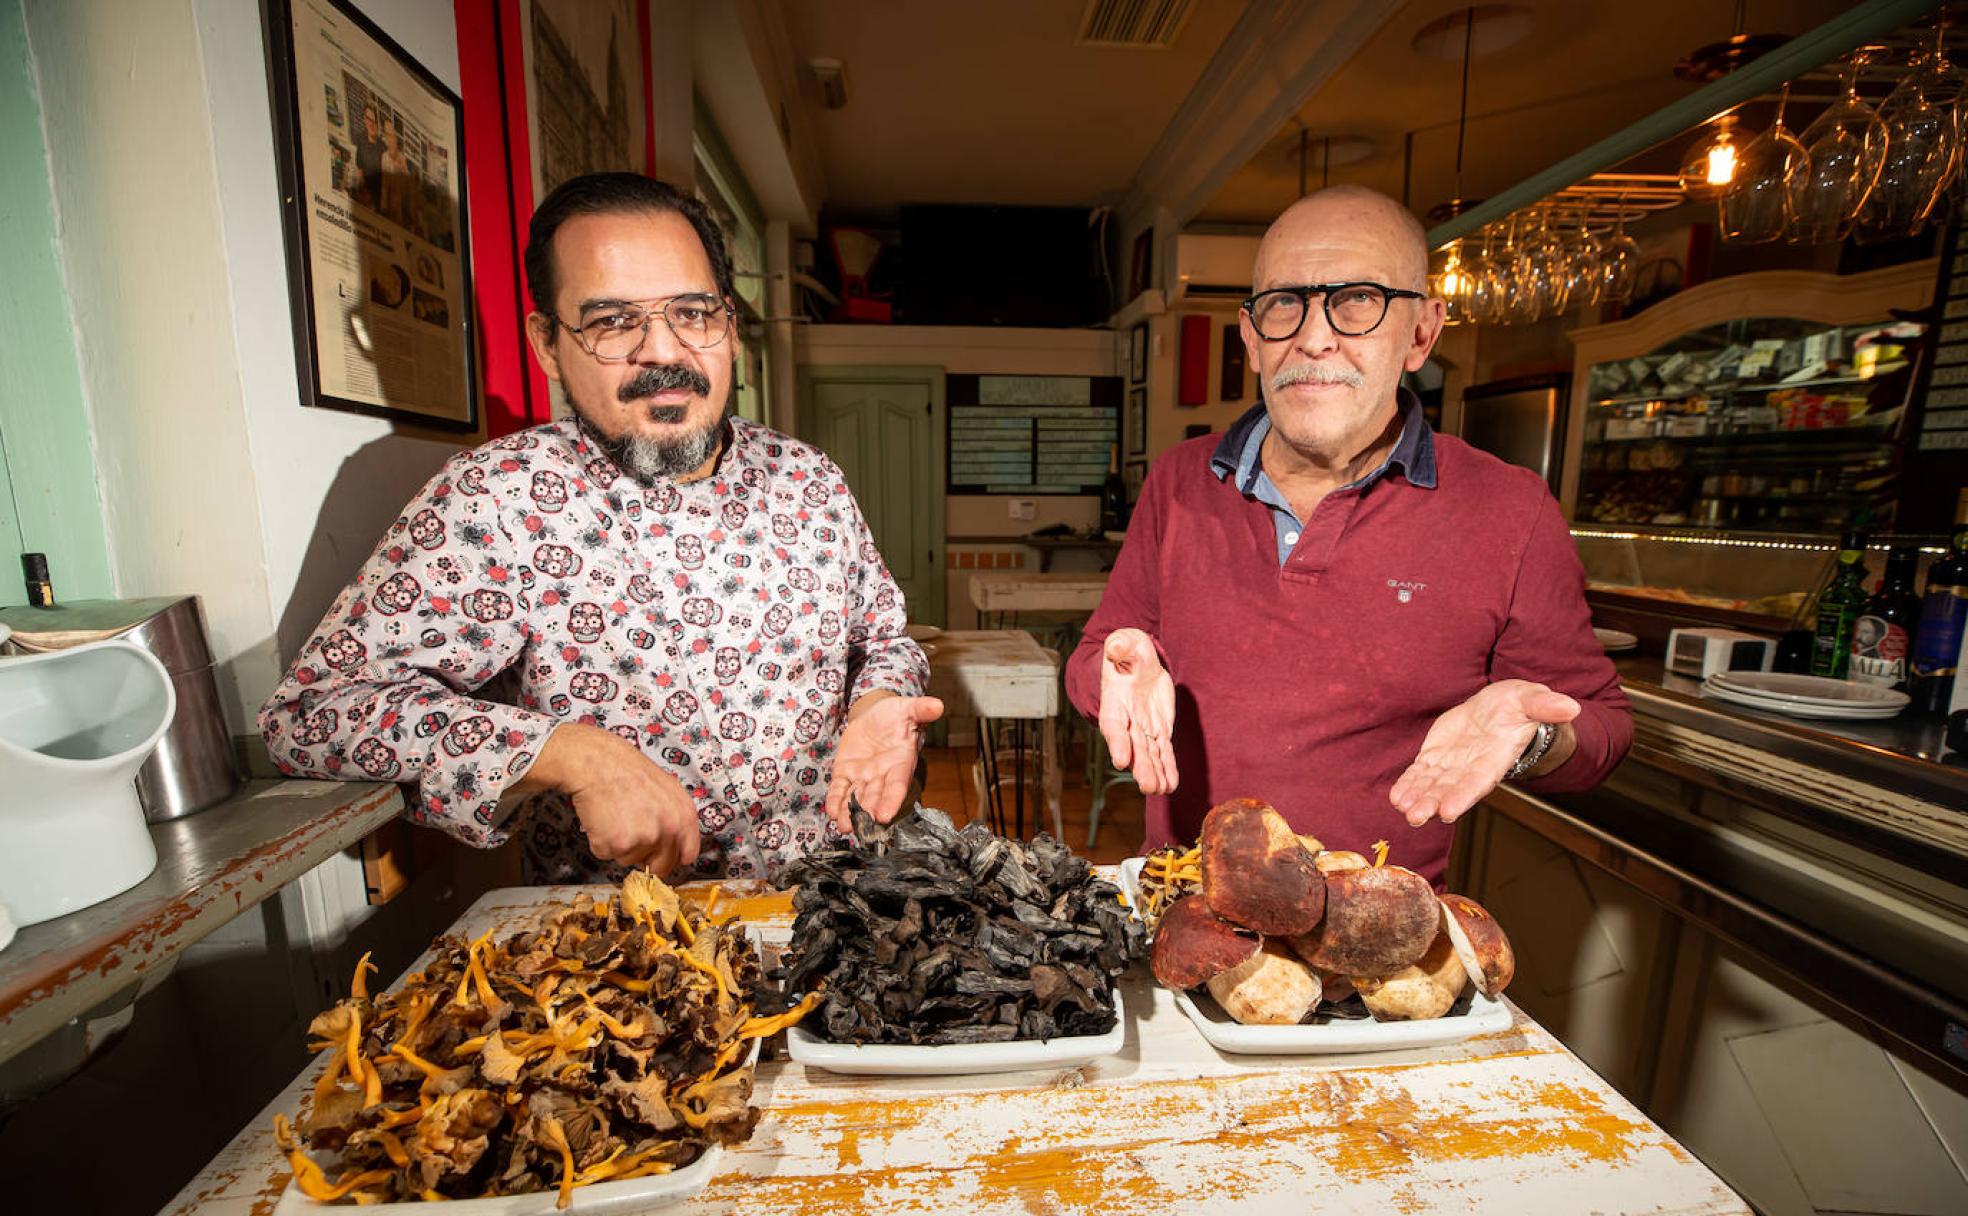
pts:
pixel 137 205
pixel 215 480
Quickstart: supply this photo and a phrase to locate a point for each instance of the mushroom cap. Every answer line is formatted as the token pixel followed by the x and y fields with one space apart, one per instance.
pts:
pixel 1255 871
pixel 1479 943
pixel 1378 920
pixel 1193 943
pixel 1270 988
pixel 1332 861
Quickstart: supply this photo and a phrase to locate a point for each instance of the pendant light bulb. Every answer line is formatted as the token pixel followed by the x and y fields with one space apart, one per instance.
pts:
pixel 1710 163
pixel 1449 280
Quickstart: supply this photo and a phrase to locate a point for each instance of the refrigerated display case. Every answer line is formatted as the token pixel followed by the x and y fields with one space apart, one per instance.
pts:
pixel 1773 403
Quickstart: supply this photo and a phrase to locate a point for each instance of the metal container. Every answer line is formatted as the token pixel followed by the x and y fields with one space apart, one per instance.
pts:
pixel 194 765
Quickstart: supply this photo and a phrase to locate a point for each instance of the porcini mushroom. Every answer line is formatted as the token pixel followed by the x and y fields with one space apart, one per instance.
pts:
pixel 1255 871
pixel 1425 989
pixel 1378 920
pixel 1479 943
pixel 1270 988
pixel 1193 944
pixel 1332 861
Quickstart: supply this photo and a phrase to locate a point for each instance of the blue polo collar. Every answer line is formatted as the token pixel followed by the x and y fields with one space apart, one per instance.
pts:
pixel 1236 456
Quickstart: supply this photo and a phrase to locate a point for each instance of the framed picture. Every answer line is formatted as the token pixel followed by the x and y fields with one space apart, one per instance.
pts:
pixel 1137 421
pixel 1133 473
pixel 1138 353
pixel 370 147
pixel 1230 386
pixel 1141 263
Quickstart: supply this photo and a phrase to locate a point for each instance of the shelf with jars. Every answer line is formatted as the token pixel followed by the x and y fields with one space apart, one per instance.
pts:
pixel 1763 403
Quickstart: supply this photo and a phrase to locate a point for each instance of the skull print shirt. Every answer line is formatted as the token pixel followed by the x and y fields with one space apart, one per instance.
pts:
pixel 724 626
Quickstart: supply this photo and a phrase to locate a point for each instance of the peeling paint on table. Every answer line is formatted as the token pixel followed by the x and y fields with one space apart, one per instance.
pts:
pixel 1504 1122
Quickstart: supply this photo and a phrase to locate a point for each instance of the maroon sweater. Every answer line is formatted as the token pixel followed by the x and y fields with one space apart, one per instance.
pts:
pixel 1312 686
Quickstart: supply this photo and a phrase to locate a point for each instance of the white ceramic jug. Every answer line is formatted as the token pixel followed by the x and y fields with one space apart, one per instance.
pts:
pixel 75 725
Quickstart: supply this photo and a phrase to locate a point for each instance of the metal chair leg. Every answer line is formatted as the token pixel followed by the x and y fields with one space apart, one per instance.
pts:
pixel 1101 777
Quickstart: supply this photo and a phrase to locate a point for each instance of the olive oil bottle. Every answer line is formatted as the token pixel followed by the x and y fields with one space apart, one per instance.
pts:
pixel 1839 605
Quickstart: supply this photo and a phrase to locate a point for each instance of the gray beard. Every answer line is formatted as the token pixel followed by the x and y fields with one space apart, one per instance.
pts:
pixel 646 459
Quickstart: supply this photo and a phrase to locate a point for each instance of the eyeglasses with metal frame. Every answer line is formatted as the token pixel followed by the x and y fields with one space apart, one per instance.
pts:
pixel 616 332
pixel 1353 310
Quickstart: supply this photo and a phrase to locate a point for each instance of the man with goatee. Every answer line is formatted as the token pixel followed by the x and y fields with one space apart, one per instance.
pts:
pixel 709 653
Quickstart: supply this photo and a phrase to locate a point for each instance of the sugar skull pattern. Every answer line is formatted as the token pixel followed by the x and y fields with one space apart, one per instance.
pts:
pixel 724 626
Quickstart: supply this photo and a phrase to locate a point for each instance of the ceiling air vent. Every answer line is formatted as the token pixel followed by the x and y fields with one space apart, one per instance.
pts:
pixel 1150 25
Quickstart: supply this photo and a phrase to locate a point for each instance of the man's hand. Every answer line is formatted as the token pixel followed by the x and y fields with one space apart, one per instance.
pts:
pixel 1137 710
pixel 632 810
pixel 876 756
pixel 1471 747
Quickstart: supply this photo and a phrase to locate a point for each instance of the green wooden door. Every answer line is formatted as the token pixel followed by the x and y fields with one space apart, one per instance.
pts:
pixel 11 540
pixel 884 428
pixel 48 499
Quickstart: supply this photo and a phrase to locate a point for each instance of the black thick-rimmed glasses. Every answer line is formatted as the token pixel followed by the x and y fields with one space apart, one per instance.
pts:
pixel 1354 310
pixel 616 332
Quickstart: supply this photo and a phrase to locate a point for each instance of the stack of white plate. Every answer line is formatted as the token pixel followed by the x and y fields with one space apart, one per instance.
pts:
pixel 1803 696
pixel 1615 640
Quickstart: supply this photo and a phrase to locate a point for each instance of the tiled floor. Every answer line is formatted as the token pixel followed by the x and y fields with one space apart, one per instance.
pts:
pixel 949 786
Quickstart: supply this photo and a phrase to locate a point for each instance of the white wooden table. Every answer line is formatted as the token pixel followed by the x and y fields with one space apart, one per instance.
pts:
pixel 1003 675
pixel 1508 1122
pixel 1013 591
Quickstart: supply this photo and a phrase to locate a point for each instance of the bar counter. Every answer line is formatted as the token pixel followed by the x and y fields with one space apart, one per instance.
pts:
pixel 1757 930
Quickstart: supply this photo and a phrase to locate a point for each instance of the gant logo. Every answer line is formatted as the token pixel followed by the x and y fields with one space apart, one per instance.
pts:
pixel 1404 589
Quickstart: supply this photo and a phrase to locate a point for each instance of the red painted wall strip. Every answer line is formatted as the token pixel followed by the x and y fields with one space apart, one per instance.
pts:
pixel 519 153
pixel 495 258
pixel 1192 361
pixel 648 91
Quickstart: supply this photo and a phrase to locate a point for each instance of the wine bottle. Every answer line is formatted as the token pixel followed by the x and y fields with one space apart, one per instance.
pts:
pixel 1943 616
pixel 1882 637
pixel 1113 494
pixel 1838 610
pixel 40 592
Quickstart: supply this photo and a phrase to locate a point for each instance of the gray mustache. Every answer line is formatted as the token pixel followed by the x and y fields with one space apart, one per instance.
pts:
pixel 662 378
pixel 1317 373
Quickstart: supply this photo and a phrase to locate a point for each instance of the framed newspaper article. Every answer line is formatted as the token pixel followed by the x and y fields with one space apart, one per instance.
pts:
pixel 371 153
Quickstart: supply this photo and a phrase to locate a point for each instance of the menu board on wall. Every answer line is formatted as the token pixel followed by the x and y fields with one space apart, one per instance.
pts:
pixel 1032 434
pixel 1935 458
pixel 1944 422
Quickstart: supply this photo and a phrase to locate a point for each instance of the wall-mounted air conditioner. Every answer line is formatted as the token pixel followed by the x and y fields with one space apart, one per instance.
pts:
pixel 1212 268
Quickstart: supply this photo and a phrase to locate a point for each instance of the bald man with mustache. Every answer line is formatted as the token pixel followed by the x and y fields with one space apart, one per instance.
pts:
pixel 1331 608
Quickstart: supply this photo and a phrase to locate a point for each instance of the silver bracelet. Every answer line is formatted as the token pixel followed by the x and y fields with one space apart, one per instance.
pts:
pixel 1540 744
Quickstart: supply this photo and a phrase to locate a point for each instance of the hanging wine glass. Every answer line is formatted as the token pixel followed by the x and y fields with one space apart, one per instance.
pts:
pixel 1919 152
pixel 1946 88
pixel 1842 154
pixel 1475 263
pixel 1482 282
pixel 1582 261
pixel 1751 212
pixel 1619 261
pixel 1953 196
pixel 1547 269
pixel 1514 303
